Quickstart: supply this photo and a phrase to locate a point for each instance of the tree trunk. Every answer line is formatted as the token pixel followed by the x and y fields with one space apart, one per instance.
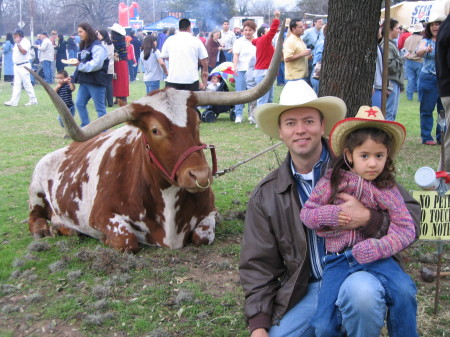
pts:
pixel 350 52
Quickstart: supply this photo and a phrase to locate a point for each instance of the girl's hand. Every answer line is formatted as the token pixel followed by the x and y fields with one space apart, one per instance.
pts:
pixel 343 219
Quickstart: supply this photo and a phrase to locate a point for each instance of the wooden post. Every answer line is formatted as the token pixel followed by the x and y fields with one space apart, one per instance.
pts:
pixel 386 25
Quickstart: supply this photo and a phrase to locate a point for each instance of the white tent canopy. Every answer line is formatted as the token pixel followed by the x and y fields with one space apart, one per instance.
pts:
pixel 408 13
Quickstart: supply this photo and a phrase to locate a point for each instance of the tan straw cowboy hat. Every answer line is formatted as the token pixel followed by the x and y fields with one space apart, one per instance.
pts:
pixel 298 94
pixel 367 117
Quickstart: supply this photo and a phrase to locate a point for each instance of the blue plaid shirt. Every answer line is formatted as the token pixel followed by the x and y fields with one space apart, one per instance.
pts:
pixel 316 244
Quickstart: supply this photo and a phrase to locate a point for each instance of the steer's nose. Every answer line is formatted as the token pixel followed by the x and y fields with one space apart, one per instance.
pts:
pixel 200 178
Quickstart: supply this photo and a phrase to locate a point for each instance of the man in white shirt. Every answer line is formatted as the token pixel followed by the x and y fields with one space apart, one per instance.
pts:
pixel 46 56
pixel 184 52
pixel 227 39
pixel 21 59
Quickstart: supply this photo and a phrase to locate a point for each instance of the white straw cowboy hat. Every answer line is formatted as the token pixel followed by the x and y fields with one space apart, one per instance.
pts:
pixel 436 18
pixel 298 94
pixel 118 29
pixel 417 28
pixel 367 117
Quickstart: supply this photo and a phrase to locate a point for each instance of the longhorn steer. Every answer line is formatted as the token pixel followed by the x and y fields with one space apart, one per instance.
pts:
pixel 109 188
pixel 129 186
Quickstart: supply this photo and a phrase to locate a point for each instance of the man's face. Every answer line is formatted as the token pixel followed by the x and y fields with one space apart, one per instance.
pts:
pixel 42 36
pixel 225 26
pixel 301 130
pixel 298 30
pixel 319 24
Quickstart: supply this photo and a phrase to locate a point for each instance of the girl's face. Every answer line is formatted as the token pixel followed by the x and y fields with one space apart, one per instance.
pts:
pixel 99 36
pixel 82 34
pixel 368 159
pixel 434 28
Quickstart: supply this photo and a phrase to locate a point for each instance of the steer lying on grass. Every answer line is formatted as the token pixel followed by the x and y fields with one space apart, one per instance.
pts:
pixel 147 182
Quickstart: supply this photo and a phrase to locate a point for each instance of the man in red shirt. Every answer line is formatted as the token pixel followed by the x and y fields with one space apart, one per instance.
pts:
pixel 264 53
pixel 403 36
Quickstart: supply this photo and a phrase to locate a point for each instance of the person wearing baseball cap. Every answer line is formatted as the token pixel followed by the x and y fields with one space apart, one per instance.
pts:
pixel 21 59
pixel 280 264
pixel 364 146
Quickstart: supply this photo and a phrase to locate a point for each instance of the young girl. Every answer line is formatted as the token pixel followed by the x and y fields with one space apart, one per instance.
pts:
pixel 213 82
pixel 152 63
pixel 364 147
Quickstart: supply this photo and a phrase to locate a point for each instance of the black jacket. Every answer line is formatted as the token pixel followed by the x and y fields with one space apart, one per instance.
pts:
pixel 443 58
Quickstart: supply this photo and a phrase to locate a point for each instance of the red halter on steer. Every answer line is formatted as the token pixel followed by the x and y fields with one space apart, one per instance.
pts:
pixel 182 159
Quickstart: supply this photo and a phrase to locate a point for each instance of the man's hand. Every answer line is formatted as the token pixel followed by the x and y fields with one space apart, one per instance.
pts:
pixel 277 14
pixel 359 215
pixel 259 333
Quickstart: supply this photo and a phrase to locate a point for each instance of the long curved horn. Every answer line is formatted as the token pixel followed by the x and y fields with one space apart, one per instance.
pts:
pixel 78 134
pixel 240 97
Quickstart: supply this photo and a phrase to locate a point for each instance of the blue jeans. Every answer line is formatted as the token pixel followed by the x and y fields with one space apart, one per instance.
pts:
pixel 267 97
pixel 228 56
pixel 412 69
pixel 72 54
pixel 47 68
pixel 85 93
pixel 399 290
pixel 152 86
pixel 360 296
pixel 392 102
pixel 429 98
pixel 72 111
pixel 280 75
pixel 376 98
pixel 131 70
pixel 240 85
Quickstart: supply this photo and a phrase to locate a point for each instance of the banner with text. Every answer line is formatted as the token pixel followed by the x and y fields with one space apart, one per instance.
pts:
pixel 435 215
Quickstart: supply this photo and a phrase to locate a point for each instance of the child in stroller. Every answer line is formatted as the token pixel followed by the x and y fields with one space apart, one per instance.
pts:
pixel 217 81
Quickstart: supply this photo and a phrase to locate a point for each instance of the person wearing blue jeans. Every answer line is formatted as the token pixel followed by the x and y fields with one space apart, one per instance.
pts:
pixel 240 85
pixel 428 87
pixel 399 297
pixel 85 93
pixel 412 69
pixel 47 68
pixel 280 264
pixel 392 101
pixel 395 70
pixel 91 73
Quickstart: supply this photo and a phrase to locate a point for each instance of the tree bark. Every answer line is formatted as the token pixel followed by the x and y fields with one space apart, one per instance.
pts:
pixel 350 52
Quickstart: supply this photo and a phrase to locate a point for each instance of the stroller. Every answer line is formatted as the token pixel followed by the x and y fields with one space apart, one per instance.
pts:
pixel 226 77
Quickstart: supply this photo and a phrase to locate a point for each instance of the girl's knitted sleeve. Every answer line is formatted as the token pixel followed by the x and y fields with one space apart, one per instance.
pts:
pixel 317 213
pixel 401 231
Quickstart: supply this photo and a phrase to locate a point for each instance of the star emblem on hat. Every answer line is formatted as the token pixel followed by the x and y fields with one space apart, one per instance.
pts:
pixel 371 112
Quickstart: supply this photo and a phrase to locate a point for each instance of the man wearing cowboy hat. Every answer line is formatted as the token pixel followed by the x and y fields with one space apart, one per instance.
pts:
pixel 280 263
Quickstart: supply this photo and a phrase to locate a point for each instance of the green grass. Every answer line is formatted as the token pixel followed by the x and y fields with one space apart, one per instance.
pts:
pixel 143 291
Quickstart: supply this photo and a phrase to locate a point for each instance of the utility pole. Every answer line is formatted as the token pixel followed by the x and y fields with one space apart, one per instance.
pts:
pixel 32 21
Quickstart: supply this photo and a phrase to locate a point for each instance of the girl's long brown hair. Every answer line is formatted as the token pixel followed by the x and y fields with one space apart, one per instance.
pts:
pixel 356 138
